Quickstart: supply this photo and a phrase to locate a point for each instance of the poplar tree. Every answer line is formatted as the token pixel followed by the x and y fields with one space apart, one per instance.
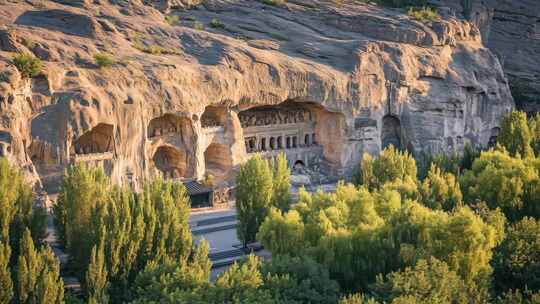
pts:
pixel 96 277
pixel 83 189
pixel 38 274
pixel 281 197
pixel 6 284
pixel 515 135
pixel 253 197
pixel 440 191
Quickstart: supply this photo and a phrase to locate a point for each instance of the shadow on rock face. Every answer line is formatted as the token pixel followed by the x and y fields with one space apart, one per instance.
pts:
pixel 206 52
pixel 59 20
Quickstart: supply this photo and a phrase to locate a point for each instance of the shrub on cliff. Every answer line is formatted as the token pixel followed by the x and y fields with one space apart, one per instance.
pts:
pixel 103 60
pixel 424 14
pixel 28 65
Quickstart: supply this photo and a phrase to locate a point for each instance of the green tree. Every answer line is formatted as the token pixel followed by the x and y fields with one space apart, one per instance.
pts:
pixel 17 208
pixel 6 284
pixel 357 298
pixel 96 277
pixel 281 183
pixel 299 280
pixel 389 166
pixel 253 197
pixel 515 134
pixel 38 274
pixel 83 189
pixel 429 281
pixel 516 261
pixel 440 191
pixel 505 182
pixel 281 233
pixel 534 126
pixel 241 283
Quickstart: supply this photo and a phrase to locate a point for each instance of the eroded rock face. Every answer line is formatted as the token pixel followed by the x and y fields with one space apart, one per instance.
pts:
pixel 511 29
pixel 366 77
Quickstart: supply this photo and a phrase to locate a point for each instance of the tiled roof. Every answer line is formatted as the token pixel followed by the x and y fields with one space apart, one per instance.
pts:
pixel 194 188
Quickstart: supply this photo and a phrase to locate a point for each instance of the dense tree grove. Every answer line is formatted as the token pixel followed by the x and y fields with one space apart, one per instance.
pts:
pixel 29 272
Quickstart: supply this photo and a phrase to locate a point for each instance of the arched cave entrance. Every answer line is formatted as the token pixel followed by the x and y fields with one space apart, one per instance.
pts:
pixel 172 162
pixel 391 132
pixel 298 165
pixel 218 160
pixel 5 143
pixel 167 124
pixel 98 140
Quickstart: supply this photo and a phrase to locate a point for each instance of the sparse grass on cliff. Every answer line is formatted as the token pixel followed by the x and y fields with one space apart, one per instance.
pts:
pixel 153 49
pixel 103 60
pixel 198 26
pixel 215 23
pixel 28 65
pixel 424 14
pixel 274 2
pixel 172 19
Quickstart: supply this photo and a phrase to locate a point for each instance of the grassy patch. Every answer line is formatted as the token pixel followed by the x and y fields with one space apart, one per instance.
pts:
pixel 424 14
pixel 103 60
pixel 153 49
pixel 28 65
pixel 172 20
pixel 198 26
pixel 215 23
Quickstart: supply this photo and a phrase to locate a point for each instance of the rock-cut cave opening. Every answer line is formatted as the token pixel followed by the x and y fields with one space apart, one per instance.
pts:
pixel 172 162
pixel 167 124
pixel 218 160
pixel 292 127
pixel 391 132
pixel 214 116
pixel 98 140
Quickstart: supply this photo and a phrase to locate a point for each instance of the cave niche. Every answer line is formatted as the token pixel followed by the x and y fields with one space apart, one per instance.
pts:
pixel 167 124
pixel 172 162
pixel 98 140
pixel 391 132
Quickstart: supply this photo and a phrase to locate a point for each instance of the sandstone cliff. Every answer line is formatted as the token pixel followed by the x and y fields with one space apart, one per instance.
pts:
pixel 171 103
pixel 511 29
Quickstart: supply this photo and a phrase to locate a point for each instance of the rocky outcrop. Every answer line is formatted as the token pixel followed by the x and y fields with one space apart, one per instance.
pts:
pixel 170 105
pixel 511 29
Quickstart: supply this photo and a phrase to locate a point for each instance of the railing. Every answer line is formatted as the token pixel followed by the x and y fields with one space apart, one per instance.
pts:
pixel 213 129
pixel 313 148
pixel 92 156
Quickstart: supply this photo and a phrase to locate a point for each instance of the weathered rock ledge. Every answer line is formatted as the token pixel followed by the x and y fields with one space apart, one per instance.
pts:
pixel 362 77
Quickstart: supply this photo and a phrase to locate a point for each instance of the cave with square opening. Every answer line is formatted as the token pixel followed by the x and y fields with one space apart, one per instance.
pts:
pixel 291 127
